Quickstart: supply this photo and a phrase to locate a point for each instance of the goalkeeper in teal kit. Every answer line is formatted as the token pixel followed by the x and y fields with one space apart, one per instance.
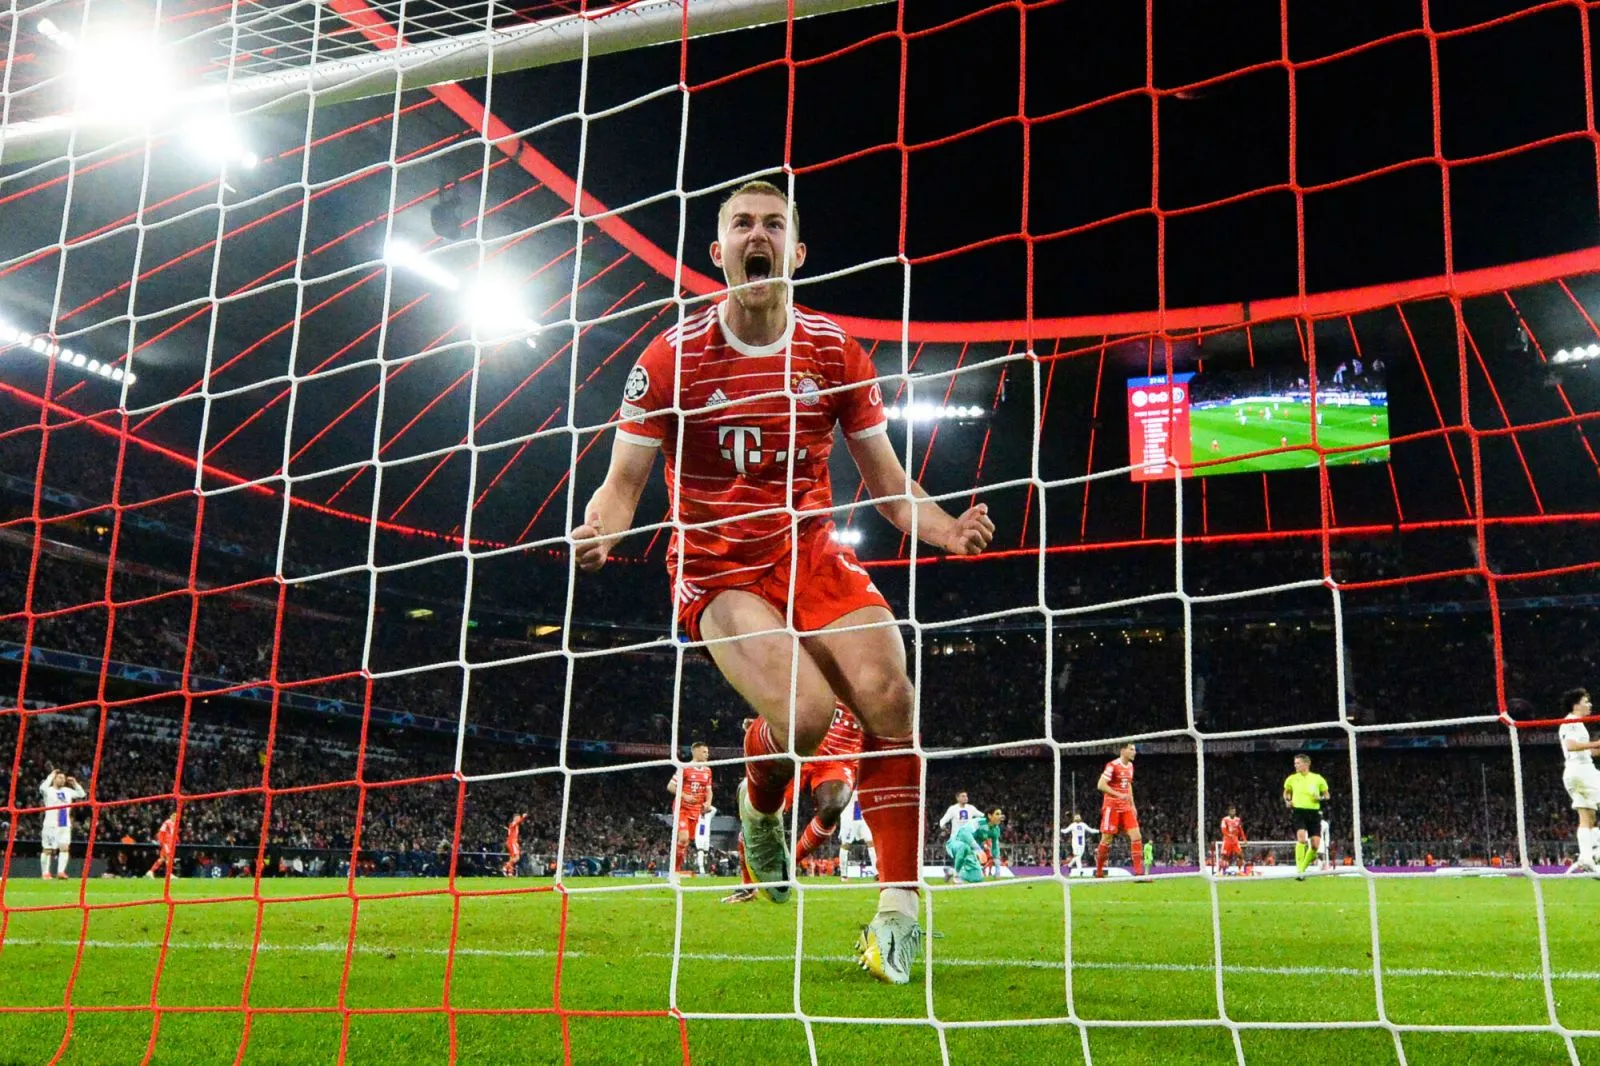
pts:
pixel 969 844
pixel 962 847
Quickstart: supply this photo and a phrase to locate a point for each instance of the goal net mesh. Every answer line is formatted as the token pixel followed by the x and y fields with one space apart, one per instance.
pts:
pixel 314 324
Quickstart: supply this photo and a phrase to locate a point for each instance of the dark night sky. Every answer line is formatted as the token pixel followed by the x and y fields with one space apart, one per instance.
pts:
pixel 1101 240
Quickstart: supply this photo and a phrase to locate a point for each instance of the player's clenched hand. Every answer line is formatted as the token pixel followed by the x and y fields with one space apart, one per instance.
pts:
pixel 972 531
pixel 590 545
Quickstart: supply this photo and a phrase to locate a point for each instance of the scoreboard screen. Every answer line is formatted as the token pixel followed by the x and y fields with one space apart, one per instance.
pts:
pixel 1243 421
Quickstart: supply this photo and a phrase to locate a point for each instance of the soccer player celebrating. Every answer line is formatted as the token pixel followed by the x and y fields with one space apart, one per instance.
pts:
pixel 166 847
pixel 987 836
pixel 1117 811
pixel 1580 776
pixel 958 814
pixel 55 838
pixel 743 398
pixel 1233 841
pixel 692 786
pixel 1304 793
pixel 1077 834
pixel 513 845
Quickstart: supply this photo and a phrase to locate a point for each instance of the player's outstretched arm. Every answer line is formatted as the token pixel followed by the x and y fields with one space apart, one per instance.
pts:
pixel 886 479
pixel 1580 745
pixel 609 512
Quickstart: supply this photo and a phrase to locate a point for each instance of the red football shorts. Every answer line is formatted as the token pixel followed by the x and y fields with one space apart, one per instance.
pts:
pixel 829 583
pixel 515 851
pixel 1117 819
pixel 814 774
pixel 686 821
pixel 1231 847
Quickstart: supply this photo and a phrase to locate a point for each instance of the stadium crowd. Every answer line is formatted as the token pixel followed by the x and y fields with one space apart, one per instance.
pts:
pixel 218 612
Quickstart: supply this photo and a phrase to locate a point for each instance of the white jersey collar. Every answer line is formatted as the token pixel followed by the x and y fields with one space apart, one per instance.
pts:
pixel 777 347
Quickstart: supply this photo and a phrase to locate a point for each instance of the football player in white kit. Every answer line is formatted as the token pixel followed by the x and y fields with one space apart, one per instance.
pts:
pixel 702 838
pixel 853 829
pixel 958 814
pixel 1323 860
pixel 1581 777
pixel 1077 835
pixel 55 836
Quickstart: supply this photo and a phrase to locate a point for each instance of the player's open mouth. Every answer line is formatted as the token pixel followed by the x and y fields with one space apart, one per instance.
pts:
pixel 758 267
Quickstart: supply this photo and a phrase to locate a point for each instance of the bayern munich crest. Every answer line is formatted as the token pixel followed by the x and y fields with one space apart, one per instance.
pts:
pixel 807 389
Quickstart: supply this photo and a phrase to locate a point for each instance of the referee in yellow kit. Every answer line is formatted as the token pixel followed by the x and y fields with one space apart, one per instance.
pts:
pixel 1304 793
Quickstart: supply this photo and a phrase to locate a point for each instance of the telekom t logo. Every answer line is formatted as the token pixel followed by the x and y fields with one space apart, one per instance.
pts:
pixel 742 444
pixel 736 443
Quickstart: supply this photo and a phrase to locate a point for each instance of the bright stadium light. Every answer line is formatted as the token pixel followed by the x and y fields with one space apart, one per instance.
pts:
pixel 1580 354
pixel 122 74
pixel 402 255
pixel 62 356
pixel 55 34
pixel 851 537
pixel 217 138
pixel 496 313
pixel 928 412
pixel 491 305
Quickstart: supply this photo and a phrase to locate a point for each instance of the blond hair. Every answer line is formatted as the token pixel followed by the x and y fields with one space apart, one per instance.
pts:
pixel 758 188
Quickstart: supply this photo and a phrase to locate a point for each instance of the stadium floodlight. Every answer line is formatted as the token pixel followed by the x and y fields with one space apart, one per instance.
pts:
pixel 1579 354
pixel 851 537
pixel 55 34
pixel 217 138
pixel 927 412
pixel 496 313
pixel 491 304
pixel 122 75
pixel 405 256
pixel 402 255
pixel 61 355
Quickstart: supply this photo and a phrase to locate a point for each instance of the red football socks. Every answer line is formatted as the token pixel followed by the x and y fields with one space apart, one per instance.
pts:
pixel 891 803
pixel 1137 847
pixel 1101 852
pixel 811 838
pixel 767 779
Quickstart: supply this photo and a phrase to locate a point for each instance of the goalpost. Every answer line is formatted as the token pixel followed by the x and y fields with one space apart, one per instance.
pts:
pixel 172 289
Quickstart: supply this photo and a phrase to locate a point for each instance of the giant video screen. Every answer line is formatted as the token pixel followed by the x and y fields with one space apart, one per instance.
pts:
pixel 1204 421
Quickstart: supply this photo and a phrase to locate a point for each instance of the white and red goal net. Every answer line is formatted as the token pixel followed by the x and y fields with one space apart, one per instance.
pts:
pixel 314 323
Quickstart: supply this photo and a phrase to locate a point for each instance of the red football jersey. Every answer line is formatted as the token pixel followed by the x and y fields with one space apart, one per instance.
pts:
pixel 1232 829
pixel 168 832
pixel 844 736
pixel 514 831
pixel 730 404
pixel 1120 778
pixel 694 787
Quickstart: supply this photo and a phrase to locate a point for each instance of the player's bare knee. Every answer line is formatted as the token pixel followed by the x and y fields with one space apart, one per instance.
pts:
pixel 884 699
pixel 831 801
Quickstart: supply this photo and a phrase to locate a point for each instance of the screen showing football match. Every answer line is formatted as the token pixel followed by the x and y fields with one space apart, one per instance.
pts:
pixel 1200 421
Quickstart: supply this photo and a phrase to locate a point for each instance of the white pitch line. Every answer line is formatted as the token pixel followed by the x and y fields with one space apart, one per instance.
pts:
pixel 939 961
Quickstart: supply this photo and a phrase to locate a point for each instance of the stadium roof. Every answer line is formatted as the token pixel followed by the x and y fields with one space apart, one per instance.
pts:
pixel 1031 163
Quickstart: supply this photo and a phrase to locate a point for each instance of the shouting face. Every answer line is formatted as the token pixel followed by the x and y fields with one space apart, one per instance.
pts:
pixel 757 249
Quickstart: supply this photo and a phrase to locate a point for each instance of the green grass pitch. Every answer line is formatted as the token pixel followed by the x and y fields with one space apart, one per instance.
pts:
pixel 1341 427
pixel 1455 951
